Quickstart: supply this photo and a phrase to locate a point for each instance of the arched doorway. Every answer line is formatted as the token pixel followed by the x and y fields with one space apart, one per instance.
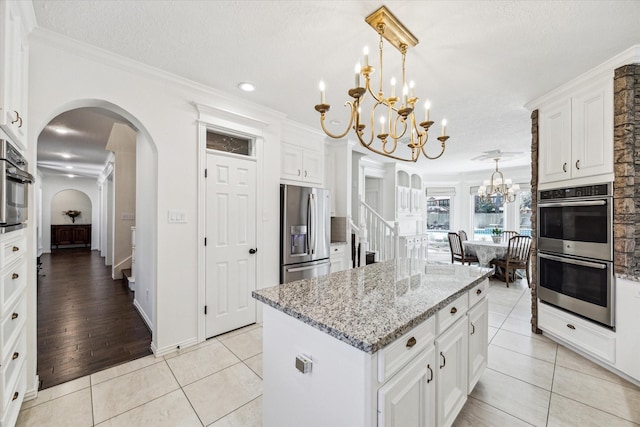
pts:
pixel 75 120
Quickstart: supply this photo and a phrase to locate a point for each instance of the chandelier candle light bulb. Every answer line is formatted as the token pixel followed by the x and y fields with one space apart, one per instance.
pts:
pixel 444 127
pixel 366 56
pixel 322 92
pixel 393 87
pixel 357 69
pixel 427 106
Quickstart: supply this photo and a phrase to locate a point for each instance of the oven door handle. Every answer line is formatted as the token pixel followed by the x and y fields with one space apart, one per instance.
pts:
pixel 19 175
pixel 571 204
pixel 574 261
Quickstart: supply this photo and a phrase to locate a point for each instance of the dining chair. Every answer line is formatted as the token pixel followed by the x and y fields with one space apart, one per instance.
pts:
pixel 457 250
pixel 506 235
pixel 463 235
pixel 517 257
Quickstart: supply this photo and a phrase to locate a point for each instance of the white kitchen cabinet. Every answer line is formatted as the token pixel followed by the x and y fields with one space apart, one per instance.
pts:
pixel 478 318
pixel 409 398
pixel 451 377
pixel 576 134
pixel 300 164
pixel 13 313
pixel 13 73
pixel 339 257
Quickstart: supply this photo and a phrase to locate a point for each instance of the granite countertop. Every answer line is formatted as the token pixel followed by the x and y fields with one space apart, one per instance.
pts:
pixel 370 307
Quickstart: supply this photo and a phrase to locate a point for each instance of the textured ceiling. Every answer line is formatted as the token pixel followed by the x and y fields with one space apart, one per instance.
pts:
pixel 478 62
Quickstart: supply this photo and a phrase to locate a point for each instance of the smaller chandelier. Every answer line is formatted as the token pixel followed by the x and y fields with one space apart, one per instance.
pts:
pixel 397 116
pixel 498 186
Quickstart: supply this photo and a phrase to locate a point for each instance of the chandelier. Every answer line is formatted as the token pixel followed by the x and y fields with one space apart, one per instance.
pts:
pixel 498 186
pixel 397 118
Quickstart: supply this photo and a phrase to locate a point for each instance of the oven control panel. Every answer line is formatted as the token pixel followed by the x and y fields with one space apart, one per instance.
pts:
pixel 569 193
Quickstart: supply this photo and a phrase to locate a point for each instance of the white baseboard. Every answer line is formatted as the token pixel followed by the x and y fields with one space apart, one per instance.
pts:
pixel 172 348
pixel 143 315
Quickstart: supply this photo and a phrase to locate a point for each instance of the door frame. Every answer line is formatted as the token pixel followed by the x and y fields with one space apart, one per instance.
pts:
pixel 223 121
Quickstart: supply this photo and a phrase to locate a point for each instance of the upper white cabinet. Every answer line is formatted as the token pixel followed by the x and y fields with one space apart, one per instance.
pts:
pixel 576 133
pixel 407 186
pixel 13 73
pixel 300 164
pixel 301 154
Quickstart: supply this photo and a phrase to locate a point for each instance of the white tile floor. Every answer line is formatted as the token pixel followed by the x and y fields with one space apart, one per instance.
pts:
pixel 530 381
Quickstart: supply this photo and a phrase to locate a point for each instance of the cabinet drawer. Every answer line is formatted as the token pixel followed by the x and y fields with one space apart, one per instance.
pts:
pixel 401 351
pixel 12 247
pixel 338 249
pixel 12 323
pixel 478 292
pixel 12 281
pixel 452 312
pixel 11 366
pixel 591 338
pixel 15 396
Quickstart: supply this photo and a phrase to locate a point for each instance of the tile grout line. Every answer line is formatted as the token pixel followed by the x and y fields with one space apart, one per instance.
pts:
pixel 501 410
pixel 553 380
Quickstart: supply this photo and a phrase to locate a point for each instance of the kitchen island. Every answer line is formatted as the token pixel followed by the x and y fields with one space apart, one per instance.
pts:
pixel 395 343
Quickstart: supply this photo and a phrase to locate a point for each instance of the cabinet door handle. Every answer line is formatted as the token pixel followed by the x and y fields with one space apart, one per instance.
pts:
pixel 15 355
pixel 298 172
pixel 444 360
pixel 454 310
pixel 14 316
pixel 14 276
pixel 570 326
pixel 411 342
pixel 564 167
pixel 577 164
pixel 430 374
pixel 479 291
pixel 15 395
pixel 18 119
pixel 473 328
pixel 305 174
pixel 15 249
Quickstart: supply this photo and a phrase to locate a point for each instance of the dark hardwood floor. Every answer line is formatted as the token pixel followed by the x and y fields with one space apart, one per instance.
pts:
pixel 86 320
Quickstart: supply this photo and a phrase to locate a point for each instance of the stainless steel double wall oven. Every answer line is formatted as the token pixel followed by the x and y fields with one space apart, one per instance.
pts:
pixel 14 181
pixel 575 251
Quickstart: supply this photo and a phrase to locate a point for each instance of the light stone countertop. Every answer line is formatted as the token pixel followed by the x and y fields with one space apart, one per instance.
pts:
pixel 370 307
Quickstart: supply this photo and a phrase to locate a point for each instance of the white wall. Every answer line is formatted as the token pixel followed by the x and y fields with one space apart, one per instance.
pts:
pixel 67 200
pixel 51 186
pixel 65 75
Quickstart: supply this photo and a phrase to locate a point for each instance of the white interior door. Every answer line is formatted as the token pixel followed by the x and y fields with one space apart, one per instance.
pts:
pixel 231 235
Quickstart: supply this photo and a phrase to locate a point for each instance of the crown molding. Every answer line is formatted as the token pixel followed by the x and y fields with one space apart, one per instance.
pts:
pixel 604 70
pixel 51 39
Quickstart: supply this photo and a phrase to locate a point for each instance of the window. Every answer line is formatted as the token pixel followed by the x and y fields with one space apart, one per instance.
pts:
pixel 488 213
pixel 229 144
pixel 524 212
pixel 438 221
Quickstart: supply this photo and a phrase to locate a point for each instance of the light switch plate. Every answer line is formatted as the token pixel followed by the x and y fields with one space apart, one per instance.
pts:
pixel 177 217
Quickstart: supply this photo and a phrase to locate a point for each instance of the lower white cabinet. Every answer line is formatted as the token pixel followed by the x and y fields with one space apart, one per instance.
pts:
pixel 339 257
pixel 478 318
pixel 409 398
pixel 421 379
pixel 451 379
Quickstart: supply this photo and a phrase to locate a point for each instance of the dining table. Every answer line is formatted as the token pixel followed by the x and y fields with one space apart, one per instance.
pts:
pixel 485 250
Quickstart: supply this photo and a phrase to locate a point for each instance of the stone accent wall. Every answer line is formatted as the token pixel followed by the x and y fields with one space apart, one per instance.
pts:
pixel 534 222
pixel 626 186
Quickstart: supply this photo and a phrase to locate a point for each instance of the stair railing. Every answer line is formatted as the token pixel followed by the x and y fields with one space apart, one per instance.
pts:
pixel 382 238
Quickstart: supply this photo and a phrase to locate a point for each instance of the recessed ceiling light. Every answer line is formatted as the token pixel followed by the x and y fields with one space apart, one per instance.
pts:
pixel 65 155
pixel 247 87
pixel 71 176
pixel 61 131
pixel 69 167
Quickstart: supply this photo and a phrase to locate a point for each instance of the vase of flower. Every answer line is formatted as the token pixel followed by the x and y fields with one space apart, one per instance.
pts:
pixel 73 214
pixel 496 235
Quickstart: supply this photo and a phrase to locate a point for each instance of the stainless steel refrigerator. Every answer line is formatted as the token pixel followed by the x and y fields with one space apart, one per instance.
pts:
pixel 305 232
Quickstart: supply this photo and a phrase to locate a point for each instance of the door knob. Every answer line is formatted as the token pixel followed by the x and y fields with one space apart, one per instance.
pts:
pixel 253 251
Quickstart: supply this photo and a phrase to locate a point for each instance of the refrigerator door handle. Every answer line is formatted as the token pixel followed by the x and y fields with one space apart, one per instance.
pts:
pixel 311 226
pixel 312 267
pixel 314 229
